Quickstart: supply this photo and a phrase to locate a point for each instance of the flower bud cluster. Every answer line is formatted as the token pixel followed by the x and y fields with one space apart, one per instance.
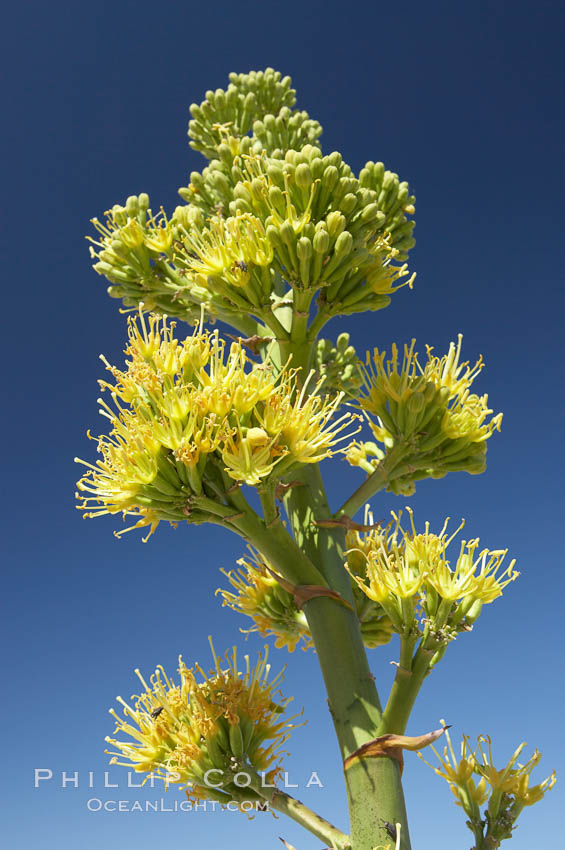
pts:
pixel 326 230
pixel 423 592
pixel 192 417
pixel 475 781
pixel 211 190
pixel 338 365
pixel 205 730
pixel 395 201
pixel 322 228
pixel 261 597
pixel 134 252
pixel 259 96
pixel 289 130
pixel 427 414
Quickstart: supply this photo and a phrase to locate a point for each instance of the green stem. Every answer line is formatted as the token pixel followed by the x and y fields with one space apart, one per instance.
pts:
pixel 320 319
pixel 274 325
pixel 279 548
pixel 267 498
pixel 410 675
pixel 374 789
pixel 295 345
pixel 375 482
pixel 318 826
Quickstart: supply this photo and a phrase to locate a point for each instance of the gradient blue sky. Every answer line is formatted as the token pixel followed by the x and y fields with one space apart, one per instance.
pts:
pixel 462 99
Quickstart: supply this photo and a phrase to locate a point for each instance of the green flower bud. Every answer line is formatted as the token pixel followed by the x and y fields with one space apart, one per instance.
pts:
pixel 250 102
pixel 348 204
pixel 276 175
pixel 330 176
pixel 335 158
pixel 304 249
pixel 242 193
pixel 236 739
pixel 371 213
pixel 343 245
pixel 416 402
pixel 335 222
pixel 274 236
pixel 240 206
pixel 225 155
pixel 132 206
pixel 321 241
pixel 303 176
pixel 287 233
pixel 277 199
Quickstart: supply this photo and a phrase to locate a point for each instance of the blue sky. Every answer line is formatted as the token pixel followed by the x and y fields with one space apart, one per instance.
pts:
pixel 464 101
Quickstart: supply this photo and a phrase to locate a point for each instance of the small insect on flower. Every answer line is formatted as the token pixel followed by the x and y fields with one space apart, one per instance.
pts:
pixel 156 712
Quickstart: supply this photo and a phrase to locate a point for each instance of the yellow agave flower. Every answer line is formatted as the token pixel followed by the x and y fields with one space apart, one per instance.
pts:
pixel 201 732
pixel 473 576
pixel 269 200
pixel 260 596
pixel 514 777
pixel 130 237
pixel 388 572
pixel 304 425
pixel 381 276
pixel 178 403
pixel 250 458
pixel 227 247
pixel 404 564
pixel 459 773
pixel 507 790
pixel 364 455
pixel 432 402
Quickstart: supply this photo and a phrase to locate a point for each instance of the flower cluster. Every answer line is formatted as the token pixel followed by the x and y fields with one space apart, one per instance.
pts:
pixel 327 231
pixel 267 218
pixel 134 251
pixel 424 594
pixel 427 414
pixel 261 597
pixel 474 781
pixel 192 417
pixel 206 729
pixel 259 101
pixel 231 258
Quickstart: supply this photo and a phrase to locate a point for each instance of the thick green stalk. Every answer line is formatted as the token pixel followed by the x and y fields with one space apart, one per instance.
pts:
pixel 279 548
pixel 282 802
pixel 294 347
pixel 374 789
pixel 320 319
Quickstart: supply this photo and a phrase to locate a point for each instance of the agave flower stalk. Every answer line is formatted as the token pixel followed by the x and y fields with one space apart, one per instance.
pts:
pixel 275 238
